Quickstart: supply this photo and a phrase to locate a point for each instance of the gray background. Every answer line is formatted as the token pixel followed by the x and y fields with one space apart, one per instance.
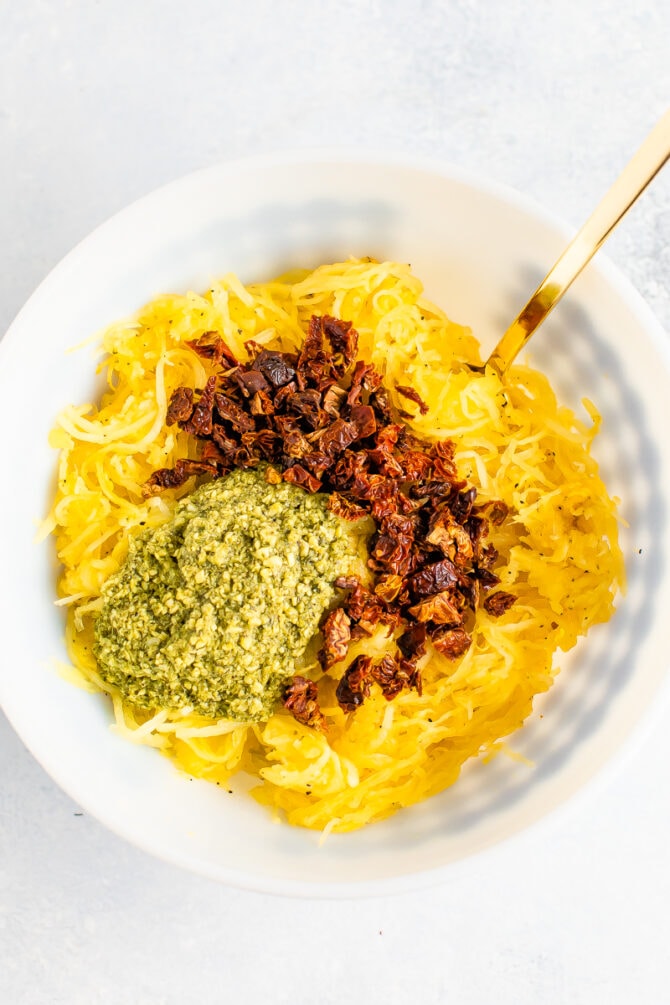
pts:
pixel 101 102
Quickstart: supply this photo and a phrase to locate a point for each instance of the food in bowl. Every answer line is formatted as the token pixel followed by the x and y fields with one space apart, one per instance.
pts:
pixel 460 533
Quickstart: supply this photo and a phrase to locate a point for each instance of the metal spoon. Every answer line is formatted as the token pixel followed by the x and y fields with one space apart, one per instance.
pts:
pixel 640 170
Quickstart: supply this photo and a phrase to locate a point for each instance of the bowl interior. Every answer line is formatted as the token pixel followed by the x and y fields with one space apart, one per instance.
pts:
pixel 479 251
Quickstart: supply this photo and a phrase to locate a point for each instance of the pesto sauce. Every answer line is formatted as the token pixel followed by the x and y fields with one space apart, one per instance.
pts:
pixel 213 609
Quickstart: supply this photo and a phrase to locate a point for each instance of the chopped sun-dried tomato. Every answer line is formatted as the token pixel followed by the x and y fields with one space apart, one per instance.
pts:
pixel 344 508
pixel 497 512
pixel 363 418
pixel 180 408
pixel 172 478
pixel 250 382
pixel 499 602
pixel 412 642
pixel 337 437
pixel 301 700
pixel 440 609
pixel 275 366
pixel 200 421
pixel 210 345
pixel 234 414
pixel 336 636
pixel 333 399
pixel 451 642
pixel 354 685
pixel 390 676
pixel 322 420
pixel 451 538
pixel 298 475
pixel 412 395
pixel 388 586
pixel 435 577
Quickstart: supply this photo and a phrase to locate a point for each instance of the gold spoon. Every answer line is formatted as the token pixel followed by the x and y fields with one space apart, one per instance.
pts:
pixel 631 183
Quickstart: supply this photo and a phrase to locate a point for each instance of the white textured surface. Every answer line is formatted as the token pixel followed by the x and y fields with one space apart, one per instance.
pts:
pixel 101 102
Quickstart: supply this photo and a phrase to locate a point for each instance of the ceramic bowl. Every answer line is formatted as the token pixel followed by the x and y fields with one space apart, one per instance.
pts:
pixel 480 250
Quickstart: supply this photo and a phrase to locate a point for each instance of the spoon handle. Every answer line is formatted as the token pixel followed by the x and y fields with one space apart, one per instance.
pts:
pixel 633 180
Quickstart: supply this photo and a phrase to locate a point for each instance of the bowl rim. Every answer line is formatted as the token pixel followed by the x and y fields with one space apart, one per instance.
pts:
pixel 373 158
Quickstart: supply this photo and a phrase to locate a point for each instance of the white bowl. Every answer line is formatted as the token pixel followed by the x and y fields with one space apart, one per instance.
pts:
pixel 479 250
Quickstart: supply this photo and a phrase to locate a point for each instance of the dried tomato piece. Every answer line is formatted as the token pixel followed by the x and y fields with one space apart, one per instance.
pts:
pixel 172 478
pixel 486 579
pixel 442 609
pixel 497 603
pixel 261 404
pixel 451 538
pixel 283 396
pixel 387 436
pixel 434 578
pixel 461 505
pixel 477 529
pixel 285 424
pixel 444 466
pixel 210 452
pixel 200 421
pixel 391 677
pixel 393 552
pixel 385 463
pixel 382 509
pixel 210 345
pixel 369 610
pixel 264 443
pixel 295 444
pixel 244 457
pixel 388 587
pixel 412 395
pixel 415 464
pixel 276 367
pixel 307 404
pixel 487 557
pixel 497 512
pixel 354 685
pixel 250 382
pixel 272 476
pixel 317 462
pixel 398 525
pixel 373 487
pixel 336 637
pixel 412 642
pixel 301 699
pixel 329 349
pixel 363 418
pixel 337 437
pixel 451 642
pixel 411 669
pixel 313 361
pixel 234 414
pixel 364 375
pixel 181 406
pixel 343 340
pixel 333 399
pixel 381 404
pixel 226 445
pixel 470 590
pixel 350 469
pixel 297 475
pixel 345 509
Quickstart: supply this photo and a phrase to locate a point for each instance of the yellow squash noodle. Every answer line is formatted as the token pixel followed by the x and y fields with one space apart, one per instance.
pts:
pixel 558 549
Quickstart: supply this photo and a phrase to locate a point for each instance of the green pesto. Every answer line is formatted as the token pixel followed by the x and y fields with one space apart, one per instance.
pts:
pixel 214 609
